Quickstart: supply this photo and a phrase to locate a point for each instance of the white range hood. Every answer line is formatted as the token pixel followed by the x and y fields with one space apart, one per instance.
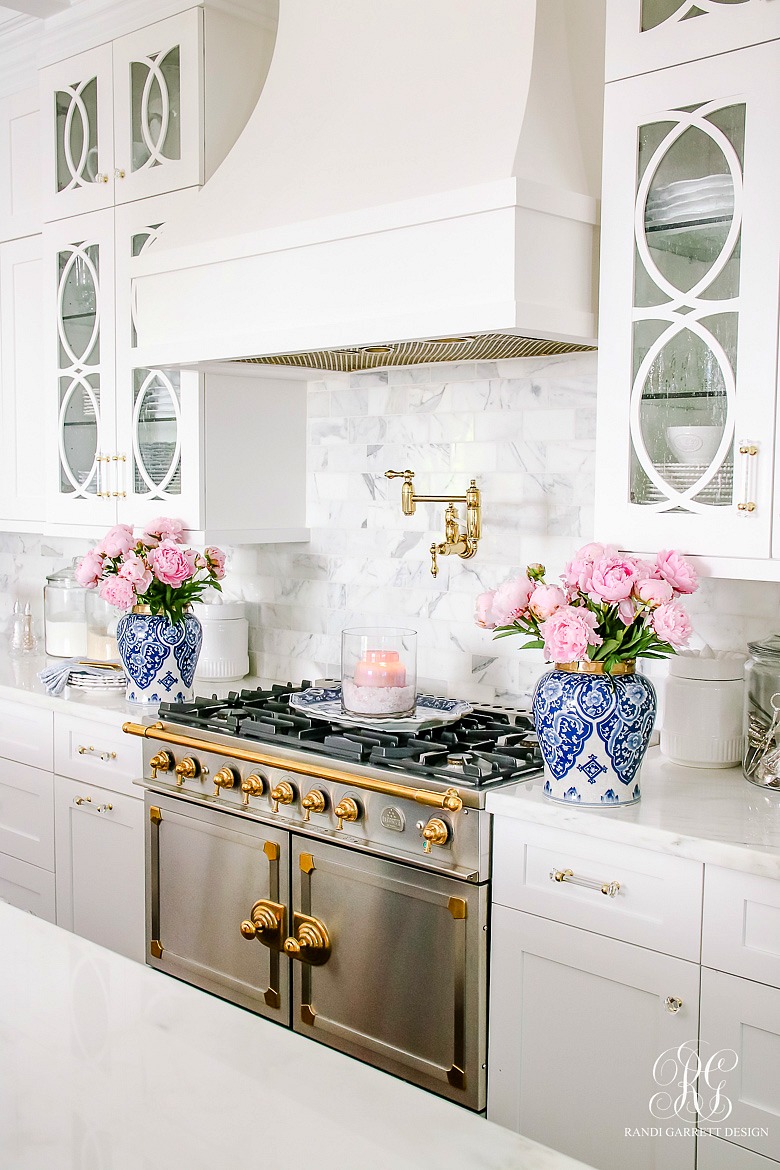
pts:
pixel 413 169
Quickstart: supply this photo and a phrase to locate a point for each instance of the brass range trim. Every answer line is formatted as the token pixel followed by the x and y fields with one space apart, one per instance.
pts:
pixel 451 800
pixel 156 948
pixel 308 1014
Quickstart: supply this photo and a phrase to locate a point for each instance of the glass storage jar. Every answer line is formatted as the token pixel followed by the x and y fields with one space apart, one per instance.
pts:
pixel 102 620
pixel 379 672
pixel 761 761
pixel 64 615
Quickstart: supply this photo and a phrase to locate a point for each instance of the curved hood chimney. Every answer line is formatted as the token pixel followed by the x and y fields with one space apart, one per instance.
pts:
pixel 414 169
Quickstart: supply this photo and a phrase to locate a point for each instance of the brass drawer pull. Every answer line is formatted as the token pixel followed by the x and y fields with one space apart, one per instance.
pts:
pixel 310 942
pixel 79 800
pixel 266 924
pixel 567 875
pixel 673 1004
pixel 90 751
pixel 101 808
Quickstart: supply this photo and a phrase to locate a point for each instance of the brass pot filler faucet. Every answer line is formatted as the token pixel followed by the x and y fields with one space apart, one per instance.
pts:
pixel 455 541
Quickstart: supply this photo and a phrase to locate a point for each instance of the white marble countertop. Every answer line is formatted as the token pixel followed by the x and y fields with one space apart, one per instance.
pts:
pixel 19 683
pixel 710 815
pixel 104 1062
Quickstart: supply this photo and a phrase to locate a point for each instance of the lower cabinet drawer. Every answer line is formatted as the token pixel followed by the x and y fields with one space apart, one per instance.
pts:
pixel 27 887
pixel 27 813
pixel 26 734
pixel 609 888
pixel 99 753
pixel 716 1154
pixel 741 931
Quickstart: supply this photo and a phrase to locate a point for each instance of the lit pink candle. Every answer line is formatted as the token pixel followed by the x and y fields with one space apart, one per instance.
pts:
pixel 380 668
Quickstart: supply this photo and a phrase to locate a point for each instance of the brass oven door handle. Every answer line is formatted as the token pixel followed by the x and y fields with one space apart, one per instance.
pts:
pixel 266 924
pixel 310 942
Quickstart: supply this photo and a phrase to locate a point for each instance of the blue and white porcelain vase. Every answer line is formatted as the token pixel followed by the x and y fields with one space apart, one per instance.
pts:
pixel 159 656
pixel 593 731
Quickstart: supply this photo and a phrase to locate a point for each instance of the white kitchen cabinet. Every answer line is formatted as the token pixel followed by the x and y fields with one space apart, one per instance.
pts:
pixel 27 809
pixel 644 35
pixel 20 165
pixel 714 1153
pixel 689 307
pixel 27 887
pixel 27 813
pixel 99 841
pixel 22 384
pixel 126 443
pixel 153 111
pixel 577 1023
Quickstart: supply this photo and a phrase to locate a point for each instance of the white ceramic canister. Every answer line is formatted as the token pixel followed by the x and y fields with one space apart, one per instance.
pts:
pixel 224 655
pixel 703 710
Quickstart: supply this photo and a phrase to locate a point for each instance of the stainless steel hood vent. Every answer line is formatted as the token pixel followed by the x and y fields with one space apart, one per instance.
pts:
pixel 411 170
pixel 487 347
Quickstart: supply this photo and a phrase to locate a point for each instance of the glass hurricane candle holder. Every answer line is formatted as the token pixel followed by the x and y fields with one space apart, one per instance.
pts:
pixel 379 672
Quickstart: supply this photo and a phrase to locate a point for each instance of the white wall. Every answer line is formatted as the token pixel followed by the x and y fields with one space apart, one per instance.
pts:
pixel 523 428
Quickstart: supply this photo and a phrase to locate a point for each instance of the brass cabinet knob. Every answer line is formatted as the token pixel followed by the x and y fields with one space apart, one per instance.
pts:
pixel 436 832
pixel 253 785
pixel 162 762
pixel 282 793
pixel 314 801
pixel 225 778
pixel 265 923
pixel 186 769
pixel 347 809
pixel 311 941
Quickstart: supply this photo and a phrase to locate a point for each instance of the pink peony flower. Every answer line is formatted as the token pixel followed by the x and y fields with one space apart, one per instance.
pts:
pixel 626 611
pixel 579 572
pixel 136 571
pixel 89 569
pixel 568 633
pixel 483 614
pixel 171 564
pixel 545 600
pixel 117 541
pixel 653 592
pixel 612 579
pixel 674 568
pixel 511 600
pixel 671 624
pixel 118 591
pixel 215 559
pixel 164 528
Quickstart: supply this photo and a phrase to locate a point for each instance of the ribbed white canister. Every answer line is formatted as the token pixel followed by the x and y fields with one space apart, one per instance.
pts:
pixel 224 655
pixel 703 710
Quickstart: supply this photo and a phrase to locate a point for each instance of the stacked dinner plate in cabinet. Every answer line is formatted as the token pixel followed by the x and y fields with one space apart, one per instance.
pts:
pixel 700 200
pixel 682 476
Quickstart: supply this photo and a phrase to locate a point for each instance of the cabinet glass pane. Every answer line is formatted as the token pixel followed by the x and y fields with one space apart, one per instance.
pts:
pixel 686 305
pixel 79 333
pixel 139 242
pixel 78 361
pixel 79 411
pixel 155 101
pixel 77 135
pixel 156 433
pixel 655 12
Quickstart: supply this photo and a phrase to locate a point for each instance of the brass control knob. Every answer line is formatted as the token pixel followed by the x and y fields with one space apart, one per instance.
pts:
pixel 347 809
pixel 314 801
pixel 251 786
pixel 225 778
pixel 186 769
pixel 436 832
pixel 162 762
pixel 282 793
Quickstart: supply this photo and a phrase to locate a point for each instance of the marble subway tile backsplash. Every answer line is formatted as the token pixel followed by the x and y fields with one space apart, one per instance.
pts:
pixel 525 429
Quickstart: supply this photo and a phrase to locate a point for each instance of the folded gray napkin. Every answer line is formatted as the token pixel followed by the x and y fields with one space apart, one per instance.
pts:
pixel 55 677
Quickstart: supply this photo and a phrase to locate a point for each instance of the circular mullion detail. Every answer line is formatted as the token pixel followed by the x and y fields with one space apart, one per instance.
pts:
pixel 707 6
pixel 76 169
pixel 81 359
pixel 676 497
pixel 153 71
pixel 683 123
pixel 139 459
pixel 80 489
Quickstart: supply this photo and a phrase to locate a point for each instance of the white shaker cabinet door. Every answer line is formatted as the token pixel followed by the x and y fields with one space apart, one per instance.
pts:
pixel 577 1024
pixel 20 165
pixel 99 842
pixel 714 1153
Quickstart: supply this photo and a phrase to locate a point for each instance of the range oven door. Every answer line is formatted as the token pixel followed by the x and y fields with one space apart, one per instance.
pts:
pixel 217 892
pixel 391 966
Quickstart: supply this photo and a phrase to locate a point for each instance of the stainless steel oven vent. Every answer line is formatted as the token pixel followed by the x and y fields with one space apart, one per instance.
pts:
pixel 482 348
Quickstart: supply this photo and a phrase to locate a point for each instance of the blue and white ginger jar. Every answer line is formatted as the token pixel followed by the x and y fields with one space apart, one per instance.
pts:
pixel 159 656
pixel 593 731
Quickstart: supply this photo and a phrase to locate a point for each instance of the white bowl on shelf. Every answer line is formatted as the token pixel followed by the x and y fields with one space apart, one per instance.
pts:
pixel 694 445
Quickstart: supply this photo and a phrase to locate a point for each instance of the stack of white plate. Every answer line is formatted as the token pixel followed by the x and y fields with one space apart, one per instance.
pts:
pixel 683 475
pixel 688 200
pixel 106 680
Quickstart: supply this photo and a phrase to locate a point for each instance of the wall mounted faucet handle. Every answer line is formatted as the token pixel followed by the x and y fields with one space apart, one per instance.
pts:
pixel 407 489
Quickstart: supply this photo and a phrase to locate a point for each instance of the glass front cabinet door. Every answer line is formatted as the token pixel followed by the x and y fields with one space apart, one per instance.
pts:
pixel 689 307
pixel 652 34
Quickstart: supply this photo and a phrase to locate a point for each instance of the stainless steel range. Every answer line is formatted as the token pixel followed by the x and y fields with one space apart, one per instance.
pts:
pixel 332 879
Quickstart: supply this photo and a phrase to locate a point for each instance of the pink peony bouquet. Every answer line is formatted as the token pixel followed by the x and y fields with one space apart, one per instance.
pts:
pixel 154 569
pixel 609 608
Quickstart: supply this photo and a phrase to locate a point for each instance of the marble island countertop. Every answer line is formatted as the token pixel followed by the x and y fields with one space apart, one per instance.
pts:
pixel 709 815
pixel 104 1062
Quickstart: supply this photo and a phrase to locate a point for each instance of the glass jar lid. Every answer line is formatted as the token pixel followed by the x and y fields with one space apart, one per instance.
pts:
pixel 768 648
pixel 64 578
